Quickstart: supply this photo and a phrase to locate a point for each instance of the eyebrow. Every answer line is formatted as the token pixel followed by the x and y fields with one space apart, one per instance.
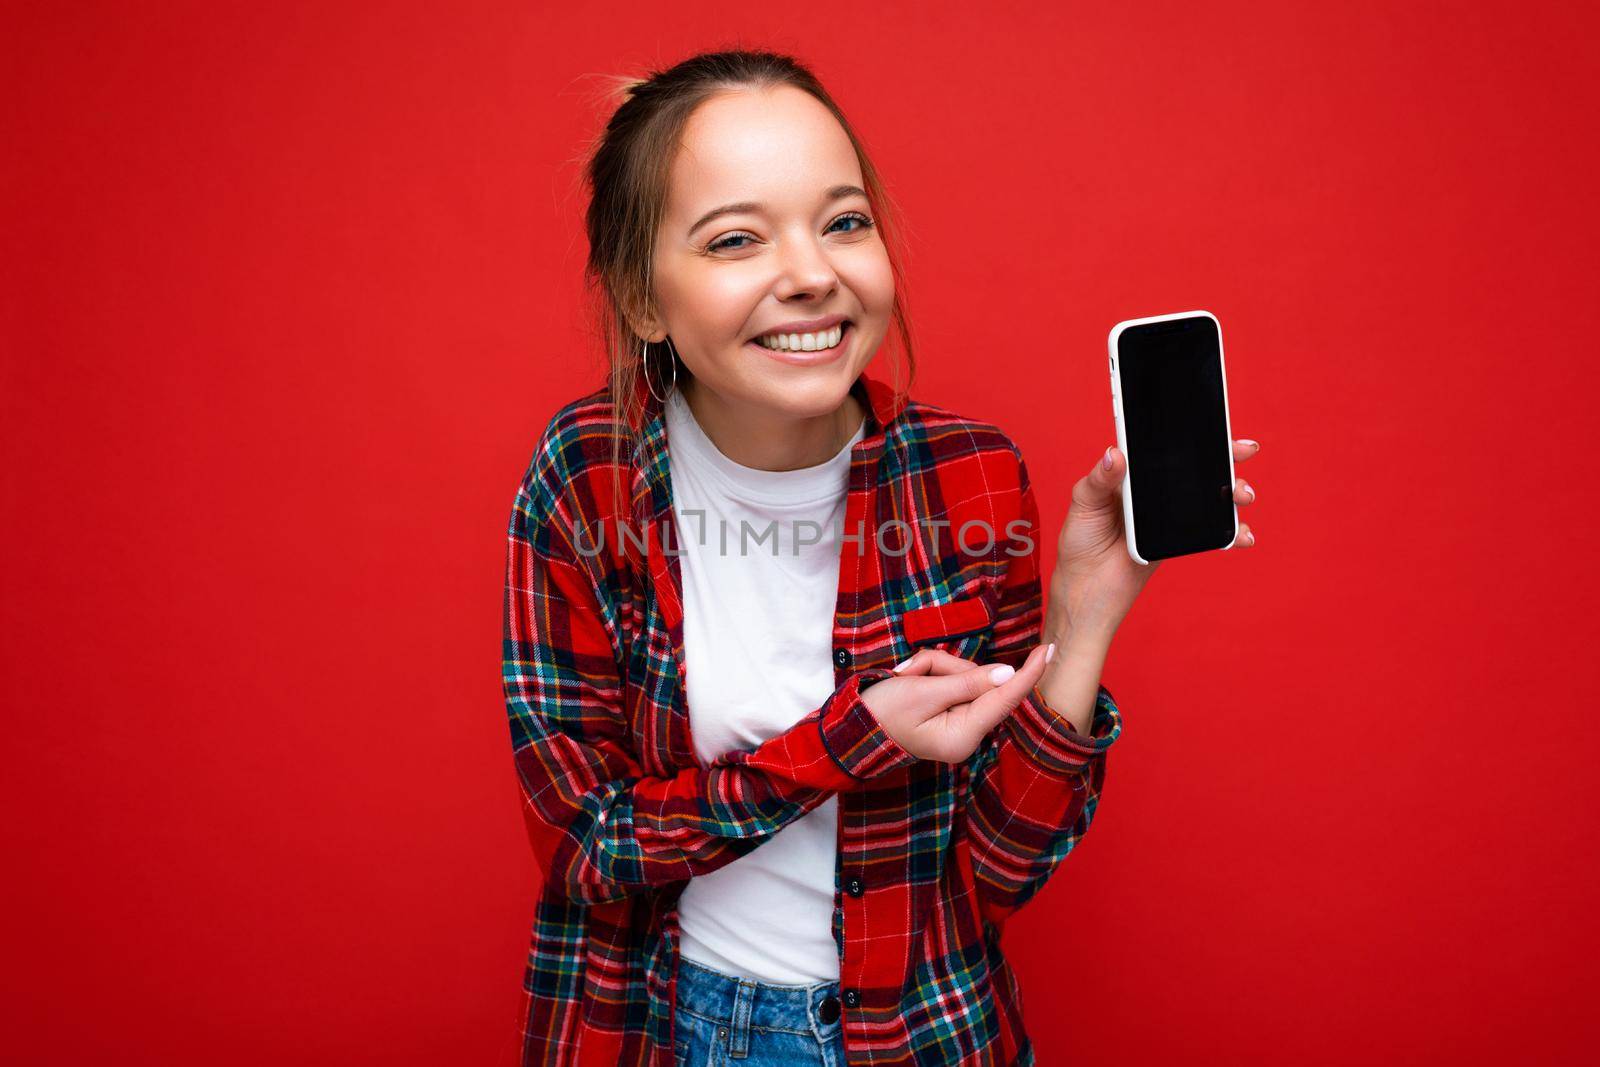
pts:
pixel 838 192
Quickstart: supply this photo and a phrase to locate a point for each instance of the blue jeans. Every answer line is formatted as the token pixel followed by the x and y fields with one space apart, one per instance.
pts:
pixel 723 1019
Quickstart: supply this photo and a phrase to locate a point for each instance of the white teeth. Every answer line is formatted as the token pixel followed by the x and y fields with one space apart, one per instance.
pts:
pixel 802 342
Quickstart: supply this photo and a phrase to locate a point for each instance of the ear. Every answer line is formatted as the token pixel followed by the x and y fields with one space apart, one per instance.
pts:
pixel 644 324
pixel 650 331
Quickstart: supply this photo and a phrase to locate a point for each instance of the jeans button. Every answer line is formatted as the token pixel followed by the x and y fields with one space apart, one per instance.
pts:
pixel 828 1010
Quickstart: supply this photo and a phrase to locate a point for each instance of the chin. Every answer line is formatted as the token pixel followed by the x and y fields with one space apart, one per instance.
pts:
pixel 809 394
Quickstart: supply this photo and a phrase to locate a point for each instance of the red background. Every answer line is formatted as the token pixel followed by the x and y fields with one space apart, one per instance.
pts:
pixel 290 291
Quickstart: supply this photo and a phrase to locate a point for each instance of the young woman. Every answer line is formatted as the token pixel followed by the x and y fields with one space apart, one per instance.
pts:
pixel 796 726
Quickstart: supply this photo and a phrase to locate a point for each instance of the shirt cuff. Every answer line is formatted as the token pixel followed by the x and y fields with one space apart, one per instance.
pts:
pixel 852 735
pixel 1048 737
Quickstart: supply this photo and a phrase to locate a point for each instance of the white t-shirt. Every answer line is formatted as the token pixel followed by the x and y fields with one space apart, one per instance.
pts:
pixel 760 565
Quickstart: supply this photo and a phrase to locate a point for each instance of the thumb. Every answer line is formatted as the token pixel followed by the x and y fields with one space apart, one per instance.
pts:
pixel 1102 486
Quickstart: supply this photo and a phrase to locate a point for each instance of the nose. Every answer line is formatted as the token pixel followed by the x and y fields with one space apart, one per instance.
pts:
pixel 805 268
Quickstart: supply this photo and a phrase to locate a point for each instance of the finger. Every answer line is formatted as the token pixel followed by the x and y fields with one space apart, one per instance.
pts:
pixel 954 689
pixel 1246 536
pixel 935 661
pixel 916 663
pixel 932 661
pixel 1102 486
pixel 1242 492
pixel 990 708
pixel 1244 448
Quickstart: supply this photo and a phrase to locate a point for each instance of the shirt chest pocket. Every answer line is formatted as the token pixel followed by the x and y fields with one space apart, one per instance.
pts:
pixel 962 627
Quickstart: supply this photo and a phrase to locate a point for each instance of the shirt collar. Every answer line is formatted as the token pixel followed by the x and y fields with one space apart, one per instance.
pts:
pixel 647 419
pixel 651 495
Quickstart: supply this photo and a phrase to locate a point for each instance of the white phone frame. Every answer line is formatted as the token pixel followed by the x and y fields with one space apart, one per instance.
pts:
pixel 1122 434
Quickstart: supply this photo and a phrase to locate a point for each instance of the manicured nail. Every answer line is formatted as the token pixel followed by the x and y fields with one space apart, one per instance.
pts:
pixel 903 664
pixel 1105 463
pixel 1251 491
pixel 1001 673
pixel 1051 651
pixel 1250 537
pixel 1247 441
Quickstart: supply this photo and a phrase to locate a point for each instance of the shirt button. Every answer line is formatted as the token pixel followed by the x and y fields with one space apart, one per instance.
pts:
pixel 854 887
pixel 851 998
pixel 828 1010
pixel 841 657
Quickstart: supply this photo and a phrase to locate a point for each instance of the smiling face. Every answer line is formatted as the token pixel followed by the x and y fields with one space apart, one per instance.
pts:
pixel 801 245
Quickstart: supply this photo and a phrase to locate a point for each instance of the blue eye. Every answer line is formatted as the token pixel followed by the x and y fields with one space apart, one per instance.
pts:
pixel 723 243
pixel 854 216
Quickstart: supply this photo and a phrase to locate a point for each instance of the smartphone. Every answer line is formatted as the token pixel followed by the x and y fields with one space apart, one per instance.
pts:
pixel 1170 397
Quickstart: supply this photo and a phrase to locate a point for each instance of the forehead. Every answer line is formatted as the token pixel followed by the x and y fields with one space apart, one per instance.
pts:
pixel 778 146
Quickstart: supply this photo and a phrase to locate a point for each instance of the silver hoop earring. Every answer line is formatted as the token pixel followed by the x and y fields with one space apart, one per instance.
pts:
pixel 644 368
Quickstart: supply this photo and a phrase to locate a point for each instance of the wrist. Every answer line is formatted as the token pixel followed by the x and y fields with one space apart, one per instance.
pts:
pixel 1083 638
pixel 1071 681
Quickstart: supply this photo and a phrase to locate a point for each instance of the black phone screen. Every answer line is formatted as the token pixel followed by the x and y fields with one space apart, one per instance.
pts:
pixel 1174 418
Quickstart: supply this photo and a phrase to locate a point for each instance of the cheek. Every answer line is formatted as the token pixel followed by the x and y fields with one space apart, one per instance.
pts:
pixel 708 306
pixel 725 303
pixel 711 313
pixel 871 279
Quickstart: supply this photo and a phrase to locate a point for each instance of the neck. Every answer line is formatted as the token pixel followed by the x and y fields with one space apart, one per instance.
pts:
pixel 769 441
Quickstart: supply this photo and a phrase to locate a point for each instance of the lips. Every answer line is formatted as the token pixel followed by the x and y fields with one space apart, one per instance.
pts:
pixel 812 358
pixel 827 322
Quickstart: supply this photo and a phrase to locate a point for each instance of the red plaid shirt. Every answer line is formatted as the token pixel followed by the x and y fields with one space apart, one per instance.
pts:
pixel 932 856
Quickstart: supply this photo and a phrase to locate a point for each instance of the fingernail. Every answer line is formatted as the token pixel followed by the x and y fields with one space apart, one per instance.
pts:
pixel 1001 673
pixel 1051 651
pixel 903 664
pixel 1251 491
pixel 1247 441
pixel 1250 537
pixel 1105 462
